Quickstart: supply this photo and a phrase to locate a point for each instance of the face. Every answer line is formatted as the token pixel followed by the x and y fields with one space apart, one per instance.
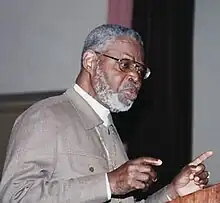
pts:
pixel 113 87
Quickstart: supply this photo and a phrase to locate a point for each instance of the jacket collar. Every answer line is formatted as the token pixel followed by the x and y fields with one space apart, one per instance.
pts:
pixel 87 115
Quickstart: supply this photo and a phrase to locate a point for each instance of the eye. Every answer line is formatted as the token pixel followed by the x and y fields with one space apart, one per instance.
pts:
pixel 125 64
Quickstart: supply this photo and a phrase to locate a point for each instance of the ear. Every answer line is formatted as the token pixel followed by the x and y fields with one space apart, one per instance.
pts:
pixel 89 61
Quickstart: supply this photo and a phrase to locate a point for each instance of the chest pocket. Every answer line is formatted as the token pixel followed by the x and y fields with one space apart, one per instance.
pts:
pixel 86 164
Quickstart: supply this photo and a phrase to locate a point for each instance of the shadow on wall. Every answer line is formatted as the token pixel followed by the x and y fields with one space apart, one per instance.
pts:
pixel 11 106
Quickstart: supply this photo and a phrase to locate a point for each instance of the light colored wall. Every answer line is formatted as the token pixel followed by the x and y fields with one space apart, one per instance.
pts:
pixel 206 131
pixel 41 41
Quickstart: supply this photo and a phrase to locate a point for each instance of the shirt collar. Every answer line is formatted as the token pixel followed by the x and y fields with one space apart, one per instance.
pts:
pixel 100 110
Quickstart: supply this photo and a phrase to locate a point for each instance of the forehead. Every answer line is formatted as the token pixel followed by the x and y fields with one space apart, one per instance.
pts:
pixel 126 45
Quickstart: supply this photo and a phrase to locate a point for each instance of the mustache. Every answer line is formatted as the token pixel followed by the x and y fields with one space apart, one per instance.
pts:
pixel 131 86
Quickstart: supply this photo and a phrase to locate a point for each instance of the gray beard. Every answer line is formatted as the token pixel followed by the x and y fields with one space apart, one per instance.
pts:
pixel 107 97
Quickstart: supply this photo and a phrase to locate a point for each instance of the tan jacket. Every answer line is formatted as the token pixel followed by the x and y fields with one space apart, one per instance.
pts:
pixel 56 155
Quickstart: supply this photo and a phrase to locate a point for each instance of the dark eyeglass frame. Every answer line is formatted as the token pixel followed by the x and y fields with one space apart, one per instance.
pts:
pixel 137 66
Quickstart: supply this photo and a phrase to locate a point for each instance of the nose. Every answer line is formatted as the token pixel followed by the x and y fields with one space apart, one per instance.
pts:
pixel 133 75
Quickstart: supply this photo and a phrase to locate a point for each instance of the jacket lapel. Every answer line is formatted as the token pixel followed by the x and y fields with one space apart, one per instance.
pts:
pixel 87 115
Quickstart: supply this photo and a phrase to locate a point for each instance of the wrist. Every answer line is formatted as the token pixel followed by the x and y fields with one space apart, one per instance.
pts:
pixel 112 184
pixel 171 192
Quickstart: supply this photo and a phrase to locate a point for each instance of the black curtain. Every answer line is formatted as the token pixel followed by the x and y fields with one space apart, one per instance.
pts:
pixel 159 123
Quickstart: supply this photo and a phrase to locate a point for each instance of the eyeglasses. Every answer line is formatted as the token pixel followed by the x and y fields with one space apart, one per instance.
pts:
pixel 127 65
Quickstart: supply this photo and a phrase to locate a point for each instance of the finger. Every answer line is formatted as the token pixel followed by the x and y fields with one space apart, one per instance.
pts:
pixel 146 177
pixel 144 168
pixel 148 160
pixel 190 171
pixel 201 158
pixel 143 177
pixel 148 169
pixel 202 178
pixel 153 176
pixel 202 186
pixel 146 187
pixel 140 168
pixel 204 181
pixel 191 176
pixel 138 185
pixel 203 175
pixel 196 179
pixel 196 170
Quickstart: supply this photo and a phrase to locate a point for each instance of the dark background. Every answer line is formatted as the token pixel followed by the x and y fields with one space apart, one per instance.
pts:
pixel 160 122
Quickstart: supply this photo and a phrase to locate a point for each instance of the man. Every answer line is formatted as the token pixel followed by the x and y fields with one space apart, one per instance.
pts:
pixel 66 148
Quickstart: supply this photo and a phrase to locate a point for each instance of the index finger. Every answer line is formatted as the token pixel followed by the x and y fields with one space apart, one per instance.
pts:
pixel 201 158
pixel 148 160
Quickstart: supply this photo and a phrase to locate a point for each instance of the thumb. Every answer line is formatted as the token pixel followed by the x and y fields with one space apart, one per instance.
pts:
pixel 193 170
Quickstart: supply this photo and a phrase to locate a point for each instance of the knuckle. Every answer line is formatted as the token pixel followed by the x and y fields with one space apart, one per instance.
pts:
pixel 149 168
pixel 147 185
pixel 147 177
pixel 130 169
pixel 140 186
pixel 130 182
pixel 201 166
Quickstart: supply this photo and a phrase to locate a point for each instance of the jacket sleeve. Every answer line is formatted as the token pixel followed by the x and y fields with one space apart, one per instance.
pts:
pixel 158 197
pixel 31 162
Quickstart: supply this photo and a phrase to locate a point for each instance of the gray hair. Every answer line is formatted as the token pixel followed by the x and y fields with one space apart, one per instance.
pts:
pixel 102 34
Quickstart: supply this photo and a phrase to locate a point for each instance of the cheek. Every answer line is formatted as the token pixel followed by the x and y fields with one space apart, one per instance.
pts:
pixel 113 76
pixel 115 80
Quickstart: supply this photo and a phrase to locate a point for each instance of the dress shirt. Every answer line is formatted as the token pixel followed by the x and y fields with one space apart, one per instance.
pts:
pixel 102 112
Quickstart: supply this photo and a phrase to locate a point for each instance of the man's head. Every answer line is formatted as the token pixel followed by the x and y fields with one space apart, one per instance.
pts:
pixel 112 66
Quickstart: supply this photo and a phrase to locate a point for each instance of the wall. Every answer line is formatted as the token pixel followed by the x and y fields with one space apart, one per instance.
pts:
pixel 207 83
pixel 41 41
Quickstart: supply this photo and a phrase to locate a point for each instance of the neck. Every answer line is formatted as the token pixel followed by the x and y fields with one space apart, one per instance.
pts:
pixel 84 81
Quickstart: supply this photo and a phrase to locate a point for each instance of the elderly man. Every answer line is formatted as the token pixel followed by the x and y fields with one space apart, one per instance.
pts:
pixel 66 148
